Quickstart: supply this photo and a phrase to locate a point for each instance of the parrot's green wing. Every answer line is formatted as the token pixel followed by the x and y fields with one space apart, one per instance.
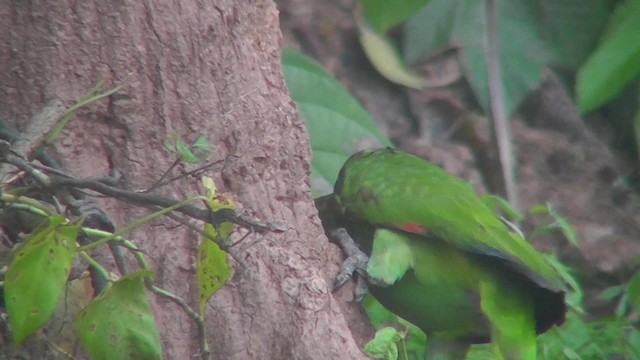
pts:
pixel 397 190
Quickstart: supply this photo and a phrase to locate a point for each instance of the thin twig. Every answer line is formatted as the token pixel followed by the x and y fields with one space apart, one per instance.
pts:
pixel 190 172
pixel 158 182
pixel 140 222
pixel 95 264
pixel 151 200
pixel 204 345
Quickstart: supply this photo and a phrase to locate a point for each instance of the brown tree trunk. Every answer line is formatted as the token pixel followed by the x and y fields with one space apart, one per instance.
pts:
pixel 190 67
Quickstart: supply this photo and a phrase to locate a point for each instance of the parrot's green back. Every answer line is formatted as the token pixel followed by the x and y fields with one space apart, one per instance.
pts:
pixel 456 270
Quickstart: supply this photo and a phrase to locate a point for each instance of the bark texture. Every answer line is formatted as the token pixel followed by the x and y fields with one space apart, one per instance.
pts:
pixel 191 67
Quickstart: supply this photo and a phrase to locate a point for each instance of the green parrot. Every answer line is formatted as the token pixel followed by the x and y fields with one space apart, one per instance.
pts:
pixel 440 258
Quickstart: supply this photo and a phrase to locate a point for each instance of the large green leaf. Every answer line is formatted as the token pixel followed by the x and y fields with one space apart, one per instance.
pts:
pixel 615 63
pixel 119 324
pixel 337 123
pixel 37 276
pixel 530 38
pixel 522 54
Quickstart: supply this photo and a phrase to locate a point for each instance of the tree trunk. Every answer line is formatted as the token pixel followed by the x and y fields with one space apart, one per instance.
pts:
pixel 193 68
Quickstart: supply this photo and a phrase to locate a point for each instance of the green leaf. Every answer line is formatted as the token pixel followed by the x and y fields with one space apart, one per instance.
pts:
pixel 337 123
pixel 191 154
pixel 384 345
pixel 634 344
pixel 615 63
pixel 415 341
pixel 37 276
pixel 564 226
pixel 171 144
pixel 185 151
pixel 559 223
pixel 462 24
pixel 611 293
pixel 633 292
pixel 623 305
pixel 218 202
pixel 384 14
pixel 200 147
pixel 539 209
pixel 571 29
pixel 213 269
pixel 495 202
pixel 119 324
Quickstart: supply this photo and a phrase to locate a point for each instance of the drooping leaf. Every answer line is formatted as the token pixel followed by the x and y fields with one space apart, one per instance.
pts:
pixel 559 223
pixel 213 270
pixel 37 276
pixel 337 123
pixel 386 59
pixel 462 24
pixel 616 62
pixel 119 324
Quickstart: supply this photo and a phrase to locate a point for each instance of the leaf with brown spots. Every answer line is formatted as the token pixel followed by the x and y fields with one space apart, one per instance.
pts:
pixel 119 324
pixel 37 276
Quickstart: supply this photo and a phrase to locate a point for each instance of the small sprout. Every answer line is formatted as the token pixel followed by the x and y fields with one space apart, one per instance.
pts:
pixel 192 154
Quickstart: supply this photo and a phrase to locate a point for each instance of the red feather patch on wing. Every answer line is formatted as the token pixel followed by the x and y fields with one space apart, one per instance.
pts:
pixel 413 228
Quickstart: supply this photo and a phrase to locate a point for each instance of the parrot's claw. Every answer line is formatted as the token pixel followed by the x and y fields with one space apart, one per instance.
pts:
pixel 356 262
pixel 361 290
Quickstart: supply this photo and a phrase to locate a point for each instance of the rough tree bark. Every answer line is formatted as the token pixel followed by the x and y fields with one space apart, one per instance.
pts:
pixel 191 67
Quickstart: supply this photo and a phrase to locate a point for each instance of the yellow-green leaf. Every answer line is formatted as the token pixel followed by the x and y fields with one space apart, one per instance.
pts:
pixel 37 276
pixel 213 269
pixel 386 59
pixel 213 265
pixel 119 324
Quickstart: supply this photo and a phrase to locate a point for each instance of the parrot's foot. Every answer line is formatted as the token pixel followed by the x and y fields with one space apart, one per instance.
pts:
pixel 356 262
